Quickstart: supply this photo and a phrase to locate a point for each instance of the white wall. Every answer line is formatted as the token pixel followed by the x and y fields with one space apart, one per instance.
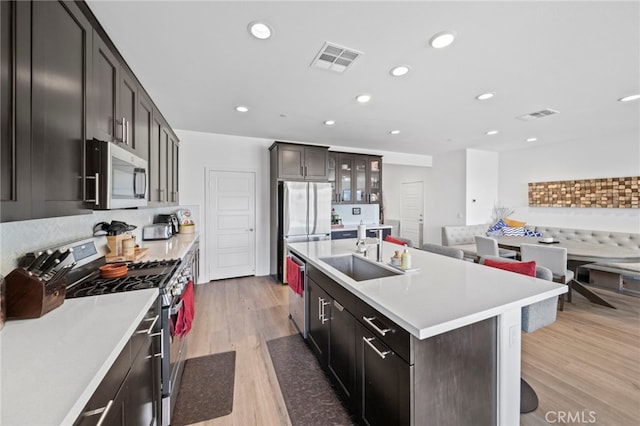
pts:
pixel 445 194
pixel 482 185
pixel 19 238
pixel 201 151
pixel 393 176
pixel 598 157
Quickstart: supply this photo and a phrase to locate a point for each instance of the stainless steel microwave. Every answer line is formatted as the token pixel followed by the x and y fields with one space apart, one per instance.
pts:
pixel 115 177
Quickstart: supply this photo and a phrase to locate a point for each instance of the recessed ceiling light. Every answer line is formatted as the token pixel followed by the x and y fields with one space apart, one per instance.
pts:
pixel 485 96
pixel 363 99
pixel 442 39
pixel 629 98
pixel 260 30
pixel 330 122
pixel 395 132
pixel 241 108
pixel 492 132
pixel 532 139
pixel 399 71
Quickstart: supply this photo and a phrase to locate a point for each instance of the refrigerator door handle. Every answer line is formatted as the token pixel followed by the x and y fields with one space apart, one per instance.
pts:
pixel 313 209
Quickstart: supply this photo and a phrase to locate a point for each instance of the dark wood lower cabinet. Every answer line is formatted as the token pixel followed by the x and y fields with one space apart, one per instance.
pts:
pixel 385 382
pixel 319 317
pixel 141 398
pixel 389 377
pixel 130 392
pixel 342 360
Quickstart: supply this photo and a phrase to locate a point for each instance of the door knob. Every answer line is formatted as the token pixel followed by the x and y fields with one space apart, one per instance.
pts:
pixel 250 229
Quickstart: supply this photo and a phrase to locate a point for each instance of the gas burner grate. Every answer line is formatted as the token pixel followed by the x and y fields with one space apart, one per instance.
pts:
pixel 152 264
pixel 140 276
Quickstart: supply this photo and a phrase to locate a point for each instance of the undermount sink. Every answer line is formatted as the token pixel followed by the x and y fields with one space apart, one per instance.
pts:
pixel 359 268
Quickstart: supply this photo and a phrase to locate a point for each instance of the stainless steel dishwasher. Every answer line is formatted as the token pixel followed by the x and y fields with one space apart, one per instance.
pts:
pixel 297 303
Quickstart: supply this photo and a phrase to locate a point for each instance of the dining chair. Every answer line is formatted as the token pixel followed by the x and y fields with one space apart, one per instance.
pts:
pixel 486 246
pixel 443 250
pixel 534 317
pixel 554 258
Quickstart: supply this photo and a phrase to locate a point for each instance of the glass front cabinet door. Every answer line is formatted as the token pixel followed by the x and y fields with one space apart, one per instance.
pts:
pixel 345 167
pixel 374 190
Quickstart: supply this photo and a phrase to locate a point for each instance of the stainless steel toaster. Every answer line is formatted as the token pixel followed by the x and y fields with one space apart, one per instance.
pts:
pixel 157 231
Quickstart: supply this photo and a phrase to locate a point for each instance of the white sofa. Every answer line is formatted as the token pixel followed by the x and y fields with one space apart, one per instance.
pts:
pixel 461 236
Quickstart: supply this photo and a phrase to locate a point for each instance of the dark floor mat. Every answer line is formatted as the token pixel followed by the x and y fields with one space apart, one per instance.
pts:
pixel 307 393
pixel 206 391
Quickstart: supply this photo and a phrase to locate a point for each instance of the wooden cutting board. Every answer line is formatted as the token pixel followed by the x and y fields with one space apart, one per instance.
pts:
pixel 139 254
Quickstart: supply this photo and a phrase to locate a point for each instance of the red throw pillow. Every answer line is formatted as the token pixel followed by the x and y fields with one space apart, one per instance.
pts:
pixel 524 268
pixel 390 239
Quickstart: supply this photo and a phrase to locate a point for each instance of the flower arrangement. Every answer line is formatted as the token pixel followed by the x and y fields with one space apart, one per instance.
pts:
pixel 500 212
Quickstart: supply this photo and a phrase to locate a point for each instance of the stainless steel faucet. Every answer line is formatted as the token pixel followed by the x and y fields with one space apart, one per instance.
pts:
pixel 379 244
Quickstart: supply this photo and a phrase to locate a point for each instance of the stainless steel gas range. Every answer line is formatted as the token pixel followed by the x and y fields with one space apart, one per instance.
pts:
pixel 170 278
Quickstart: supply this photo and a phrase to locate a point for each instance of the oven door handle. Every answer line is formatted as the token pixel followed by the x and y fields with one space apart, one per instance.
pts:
pixel 173 310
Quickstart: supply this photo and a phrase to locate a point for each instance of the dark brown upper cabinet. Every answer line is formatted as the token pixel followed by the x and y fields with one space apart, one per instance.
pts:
pixel 15 111
pixel 114 100
pixel 63 82
pixel 163 164
pixel 51 54
pixel 299 162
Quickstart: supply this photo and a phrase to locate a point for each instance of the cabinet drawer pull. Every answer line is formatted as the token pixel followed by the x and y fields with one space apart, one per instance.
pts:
pixel 369 321
pixel 150 329
pixel 323 316
pixel 104 410
pixel 337 305
pixel 382 355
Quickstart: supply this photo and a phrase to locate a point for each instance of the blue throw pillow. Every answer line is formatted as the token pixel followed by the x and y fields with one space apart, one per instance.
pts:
pixel 513 232
pixel 530 233
pixel 497 233
pixel 498 225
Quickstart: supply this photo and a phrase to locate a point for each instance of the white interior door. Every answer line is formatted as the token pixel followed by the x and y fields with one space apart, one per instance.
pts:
pixel 231 216
pixel 412 212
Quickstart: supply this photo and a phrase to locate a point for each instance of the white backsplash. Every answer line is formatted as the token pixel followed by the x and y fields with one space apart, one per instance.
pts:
pixel 19 238
pixel 369 214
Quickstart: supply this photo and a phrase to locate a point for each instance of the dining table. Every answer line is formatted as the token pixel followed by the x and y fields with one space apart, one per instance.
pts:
pixel 579 253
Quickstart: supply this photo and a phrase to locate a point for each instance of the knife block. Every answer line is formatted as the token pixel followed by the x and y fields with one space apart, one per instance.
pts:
pixel 28 297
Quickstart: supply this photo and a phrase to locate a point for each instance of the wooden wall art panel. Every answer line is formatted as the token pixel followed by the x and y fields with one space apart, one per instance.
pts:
pixel 617 193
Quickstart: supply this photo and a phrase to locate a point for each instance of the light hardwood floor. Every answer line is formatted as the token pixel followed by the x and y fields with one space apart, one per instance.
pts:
pixel 585 367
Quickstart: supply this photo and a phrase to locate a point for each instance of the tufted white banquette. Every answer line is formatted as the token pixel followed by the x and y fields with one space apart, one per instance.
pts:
pixel 461 236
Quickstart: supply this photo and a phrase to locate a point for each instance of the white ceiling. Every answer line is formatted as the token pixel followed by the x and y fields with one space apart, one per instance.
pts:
pixel 198 61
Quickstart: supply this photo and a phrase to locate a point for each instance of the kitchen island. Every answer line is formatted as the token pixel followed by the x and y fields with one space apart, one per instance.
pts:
pixel 446 305
pixel 51 366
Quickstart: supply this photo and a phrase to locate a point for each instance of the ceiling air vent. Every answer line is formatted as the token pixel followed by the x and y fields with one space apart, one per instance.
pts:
pixel 538 114
pixel 335 58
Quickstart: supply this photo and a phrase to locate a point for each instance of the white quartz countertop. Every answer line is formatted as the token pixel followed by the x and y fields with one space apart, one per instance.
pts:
pixel 443 295
pixel 51 366
pixel 175 247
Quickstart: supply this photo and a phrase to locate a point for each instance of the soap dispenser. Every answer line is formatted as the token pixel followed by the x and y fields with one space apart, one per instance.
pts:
pixel 405 262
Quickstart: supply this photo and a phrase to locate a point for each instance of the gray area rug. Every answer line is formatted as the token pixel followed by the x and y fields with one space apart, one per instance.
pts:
pixel 206 391
pixel 308 394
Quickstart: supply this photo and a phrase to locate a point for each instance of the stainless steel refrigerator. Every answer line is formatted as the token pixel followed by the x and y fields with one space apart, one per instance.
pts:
pixel 304 214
